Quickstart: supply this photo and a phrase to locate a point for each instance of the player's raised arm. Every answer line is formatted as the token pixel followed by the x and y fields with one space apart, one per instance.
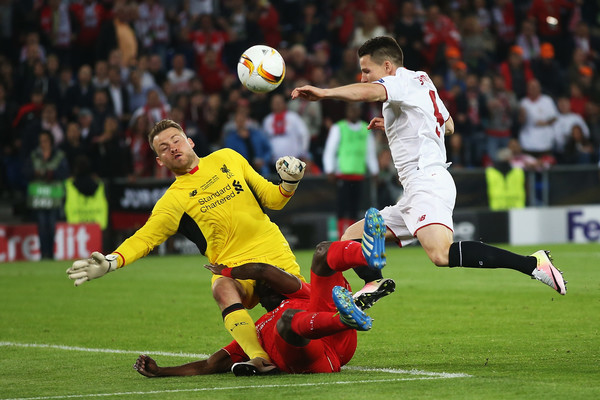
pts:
pixel 365 92
pixel 276 278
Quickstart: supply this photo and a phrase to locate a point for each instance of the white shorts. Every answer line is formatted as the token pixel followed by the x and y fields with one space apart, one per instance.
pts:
pixel 429 198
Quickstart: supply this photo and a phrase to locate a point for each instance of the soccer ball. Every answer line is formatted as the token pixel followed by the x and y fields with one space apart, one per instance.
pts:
pixel 261 69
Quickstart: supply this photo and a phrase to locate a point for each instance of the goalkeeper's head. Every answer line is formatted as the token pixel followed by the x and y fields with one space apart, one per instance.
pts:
pixel 173 148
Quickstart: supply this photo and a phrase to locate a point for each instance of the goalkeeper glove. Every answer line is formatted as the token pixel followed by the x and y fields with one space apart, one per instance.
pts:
pixel 94 267
pixel 290 171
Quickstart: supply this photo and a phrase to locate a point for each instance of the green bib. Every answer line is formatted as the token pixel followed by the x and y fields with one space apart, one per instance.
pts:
pixel 352 150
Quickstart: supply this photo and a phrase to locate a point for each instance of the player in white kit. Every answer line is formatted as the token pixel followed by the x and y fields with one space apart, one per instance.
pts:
pixel 415 121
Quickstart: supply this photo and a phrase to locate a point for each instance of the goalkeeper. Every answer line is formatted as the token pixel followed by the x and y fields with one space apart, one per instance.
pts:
pixel 215 202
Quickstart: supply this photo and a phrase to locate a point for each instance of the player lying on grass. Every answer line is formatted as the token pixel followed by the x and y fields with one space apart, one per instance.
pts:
pixel 303 332
pixel 216 202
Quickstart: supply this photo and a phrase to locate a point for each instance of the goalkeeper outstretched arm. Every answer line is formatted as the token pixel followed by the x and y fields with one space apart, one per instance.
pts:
pixel 94 267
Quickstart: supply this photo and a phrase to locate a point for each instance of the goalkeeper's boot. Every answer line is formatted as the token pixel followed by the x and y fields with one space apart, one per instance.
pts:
pixel 373 239
pixel 373 291
pixel 255 366
pixel 350 314
pixel 547 273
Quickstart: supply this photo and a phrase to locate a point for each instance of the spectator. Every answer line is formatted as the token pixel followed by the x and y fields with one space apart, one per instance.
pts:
pixel 471 119
pixel 369 27
pixel 180 76
pixel 74 145
pixel 548 72
pixel 208 37
pixel 250 142
pixel 537 116
pixel 348 157
pixel 45 171
pixel 348 72
pixel 154 110
pixel 88 16
pixel 314 27
pixel 151 28
pixel 477 44
pixel 299 64
pixel 85 118
pixel 117 33
pixel 409 34
pixel 142 156
pixel 267 18
pixel 242 31
pixel 49 122
pixel 111 158
pixel 57 92
pixel 81 94
pixel 516 72
pixel 213 73
pixel 155 68
pixel 502 109
pixel 100 111
pixel 565 122
pixel 548 15
pixel 504 22
pixel 100 79
pixel 286 131
pixel 118 95
pixel 56 22
pixel 439 33
pixel 529 41
pixel 578 148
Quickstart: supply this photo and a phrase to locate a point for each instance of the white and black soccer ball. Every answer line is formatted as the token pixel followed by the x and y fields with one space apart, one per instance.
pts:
pixel 261 69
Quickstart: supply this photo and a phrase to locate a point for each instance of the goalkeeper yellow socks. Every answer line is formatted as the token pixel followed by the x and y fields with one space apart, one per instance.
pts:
pixel 241 326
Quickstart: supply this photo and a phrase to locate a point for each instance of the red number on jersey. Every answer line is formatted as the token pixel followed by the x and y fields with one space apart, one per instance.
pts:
pixel 436 113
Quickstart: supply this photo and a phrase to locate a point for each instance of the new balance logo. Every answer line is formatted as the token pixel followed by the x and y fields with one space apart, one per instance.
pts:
pixel 237 186
pixel 193 193
pixel 422 218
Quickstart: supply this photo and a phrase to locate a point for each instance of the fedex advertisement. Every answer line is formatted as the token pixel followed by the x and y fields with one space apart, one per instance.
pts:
pixel 572 224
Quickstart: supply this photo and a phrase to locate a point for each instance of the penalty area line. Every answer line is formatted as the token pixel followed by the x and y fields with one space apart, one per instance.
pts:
pixel 272 386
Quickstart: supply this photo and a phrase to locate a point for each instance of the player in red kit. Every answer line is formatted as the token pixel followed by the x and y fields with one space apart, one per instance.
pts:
pixel 310 327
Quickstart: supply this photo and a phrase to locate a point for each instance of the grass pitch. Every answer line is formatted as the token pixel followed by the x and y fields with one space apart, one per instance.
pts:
pixel 445 333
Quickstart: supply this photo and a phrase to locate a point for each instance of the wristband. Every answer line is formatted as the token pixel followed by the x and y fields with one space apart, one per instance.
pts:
pixel 226 272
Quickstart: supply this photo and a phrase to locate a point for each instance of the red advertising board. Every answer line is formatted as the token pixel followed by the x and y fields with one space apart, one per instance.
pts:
pixel 71 241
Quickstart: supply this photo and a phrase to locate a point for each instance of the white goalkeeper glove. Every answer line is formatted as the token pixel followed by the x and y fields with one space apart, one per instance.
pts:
pixel 94 267
pixel 290 171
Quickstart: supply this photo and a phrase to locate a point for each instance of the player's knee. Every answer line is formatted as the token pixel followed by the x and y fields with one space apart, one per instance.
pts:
pixel 319 263
pixel 439 258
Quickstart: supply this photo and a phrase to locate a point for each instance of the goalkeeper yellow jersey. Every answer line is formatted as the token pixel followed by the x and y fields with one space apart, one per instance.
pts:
pixel 218 206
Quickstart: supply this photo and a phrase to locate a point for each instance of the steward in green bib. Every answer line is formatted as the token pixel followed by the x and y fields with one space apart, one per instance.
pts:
pixel 505 184
pixel 85 196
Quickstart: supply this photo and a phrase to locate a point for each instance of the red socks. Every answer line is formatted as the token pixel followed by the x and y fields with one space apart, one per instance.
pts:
pixel 315 325
pixel 345 255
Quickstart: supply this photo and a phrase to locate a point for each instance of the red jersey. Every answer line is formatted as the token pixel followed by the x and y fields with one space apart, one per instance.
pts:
pixel 323 355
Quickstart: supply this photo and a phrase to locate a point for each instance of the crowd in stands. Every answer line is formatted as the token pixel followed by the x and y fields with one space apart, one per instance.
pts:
pixel 98 74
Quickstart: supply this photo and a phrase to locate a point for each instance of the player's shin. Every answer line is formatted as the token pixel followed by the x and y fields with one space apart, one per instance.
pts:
pixel 315 325
pixel 344 255
pixel 241 326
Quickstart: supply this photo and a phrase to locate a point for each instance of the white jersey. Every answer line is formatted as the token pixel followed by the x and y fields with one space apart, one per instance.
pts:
pixel 414 118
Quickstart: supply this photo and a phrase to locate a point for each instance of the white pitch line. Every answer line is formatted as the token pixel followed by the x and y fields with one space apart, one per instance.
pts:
pixel 90 350
pixel 79 396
